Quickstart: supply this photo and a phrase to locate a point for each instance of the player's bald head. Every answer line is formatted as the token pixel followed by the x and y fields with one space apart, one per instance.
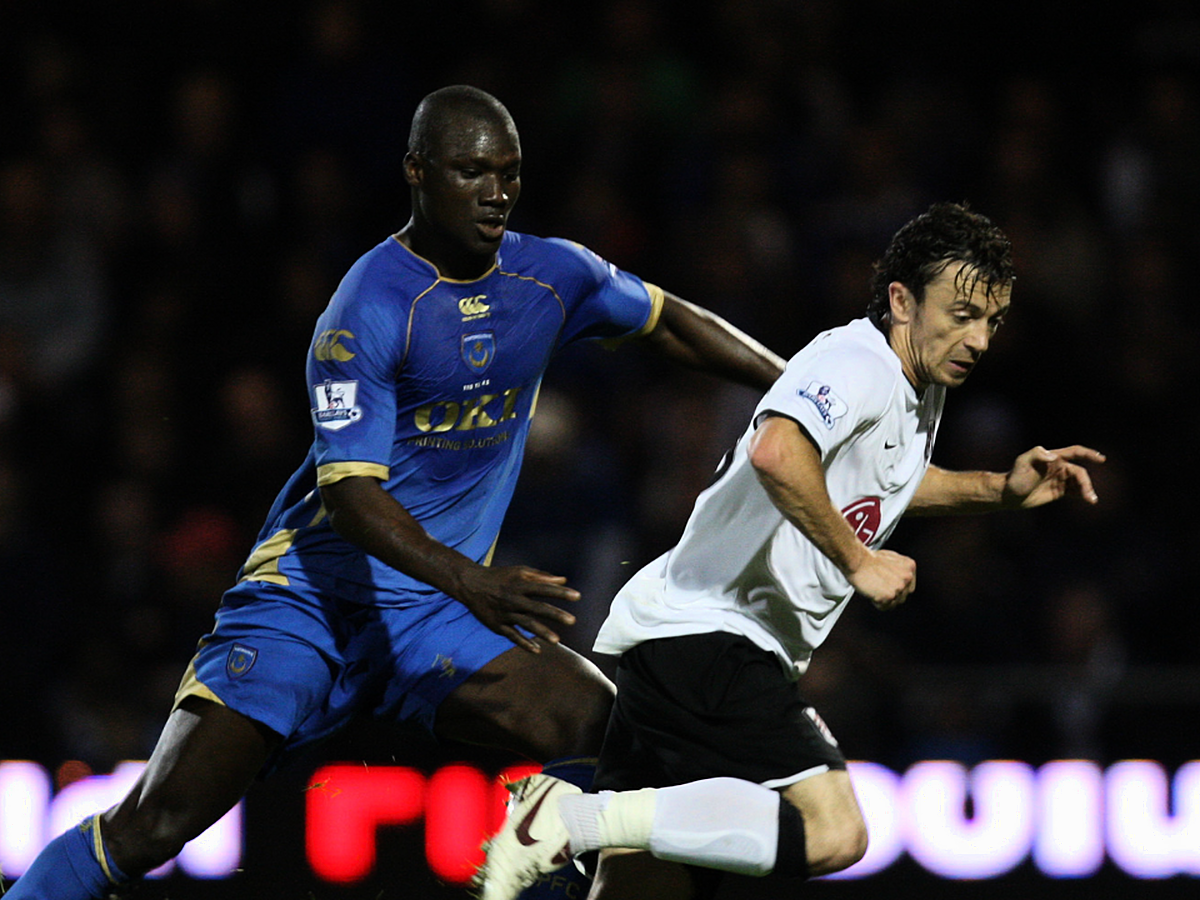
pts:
pixel 450 110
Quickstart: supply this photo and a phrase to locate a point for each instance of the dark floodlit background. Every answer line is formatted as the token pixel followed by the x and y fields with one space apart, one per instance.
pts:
pixel 182 185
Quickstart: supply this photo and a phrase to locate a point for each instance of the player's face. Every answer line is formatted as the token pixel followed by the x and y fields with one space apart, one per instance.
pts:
pixel 940 340
pixel 466 188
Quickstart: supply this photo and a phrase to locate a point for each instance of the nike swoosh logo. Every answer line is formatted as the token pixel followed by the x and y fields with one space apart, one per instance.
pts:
pixel 522 832
pixel 887 446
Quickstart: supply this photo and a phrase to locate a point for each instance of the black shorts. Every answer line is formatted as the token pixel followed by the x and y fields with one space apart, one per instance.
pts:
pixel 707 705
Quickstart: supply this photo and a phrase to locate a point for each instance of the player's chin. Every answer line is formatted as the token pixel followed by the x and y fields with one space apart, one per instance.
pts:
pixel 954 374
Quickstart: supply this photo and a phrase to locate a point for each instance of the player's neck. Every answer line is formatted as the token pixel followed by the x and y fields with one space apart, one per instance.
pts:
pixel 899 341
pixel 450 262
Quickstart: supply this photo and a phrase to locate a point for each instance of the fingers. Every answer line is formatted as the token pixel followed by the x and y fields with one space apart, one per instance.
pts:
pixel 1079 453
pixel 1081 479
pixel 1076 479
pixel 553 586
pixel 534 615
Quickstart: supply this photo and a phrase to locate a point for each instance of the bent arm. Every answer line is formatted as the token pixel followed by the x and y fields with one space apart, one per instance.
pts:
pixel 789 468
pixel 700 339
pixel 366 515
pixel 502 598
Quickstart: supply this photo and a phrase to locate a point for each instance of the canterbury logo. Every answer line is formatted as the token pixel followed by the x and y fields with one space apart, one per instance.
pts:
pixel 473 307
pixel 328 346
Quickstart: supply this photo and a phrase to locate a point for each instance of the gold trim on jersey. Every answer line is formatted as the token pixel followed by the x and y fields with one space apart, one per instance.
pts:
pixel 657 299
pixel 263 563
pixel 441 277
pixel 487 559
pixel 98 848
pixel 191 686
pixel 412 311
pixel 562 307
pixel 331 473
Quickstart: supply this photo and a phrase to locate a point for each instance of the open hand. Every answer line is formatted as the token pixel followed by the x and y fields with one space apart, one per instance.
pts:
pixel 1041 476
pixel 505 598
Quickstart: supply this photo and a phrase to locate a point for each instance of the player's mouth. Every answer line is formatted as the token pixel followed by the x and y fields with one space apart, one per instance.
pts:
pixel 961 368
pixel 492 228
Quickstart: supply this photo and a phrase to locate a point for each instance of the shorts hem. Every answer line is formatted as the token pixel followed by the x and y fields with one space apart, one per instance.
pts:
pixel 776 783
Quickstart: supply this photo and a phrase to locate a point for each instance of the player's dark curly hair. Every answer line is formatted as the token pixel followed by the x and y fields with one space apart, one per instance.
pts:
pixel 921 250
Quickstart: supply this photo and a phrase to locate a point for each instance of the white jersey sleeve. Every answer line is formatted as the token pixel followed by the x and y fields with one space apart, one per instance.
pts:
pixel 835 389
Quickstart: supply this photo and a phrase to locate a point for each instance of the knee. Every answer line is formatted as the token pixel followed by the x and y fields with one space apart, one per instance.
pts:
pixel 142 836
pixel 577 718
pixel 840 845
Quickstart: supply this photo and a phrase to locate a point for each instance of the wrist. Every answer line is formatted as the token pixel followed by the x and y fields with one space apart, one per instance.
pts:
pixel 1006 498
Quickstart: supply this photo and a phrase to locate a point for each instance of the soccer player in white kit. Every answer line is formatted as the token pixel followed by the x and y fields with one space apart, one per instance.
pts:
pixel 712 758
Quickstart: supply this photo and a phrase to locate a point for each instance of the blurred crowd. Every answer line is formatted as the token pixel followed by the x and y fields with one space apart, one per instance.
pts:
pixel 182 186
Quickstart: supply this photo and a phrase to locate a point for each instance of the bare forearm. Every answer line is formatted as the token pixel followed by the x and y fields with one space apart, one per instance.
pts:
pixel 944 493
pixel 790 471
pixel 700 339
pixel 364 514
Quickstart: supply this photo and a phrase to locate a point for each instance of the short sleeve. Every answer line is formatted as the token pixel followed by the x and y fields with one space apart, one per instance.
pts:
pixel 352 366
pixel 833 393
pixel 600 300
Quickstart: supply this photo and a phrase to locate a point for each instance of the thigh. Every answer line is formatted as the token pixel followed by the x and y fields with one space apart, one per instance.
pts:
pixel 543 705
pixel 700 706
pixel 636 875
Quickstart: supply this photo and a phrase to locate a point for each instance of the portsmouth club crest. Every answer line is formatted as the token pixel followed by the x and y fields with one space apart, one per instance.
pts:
pixel 241 660
pixel 336 404
pixel 478 350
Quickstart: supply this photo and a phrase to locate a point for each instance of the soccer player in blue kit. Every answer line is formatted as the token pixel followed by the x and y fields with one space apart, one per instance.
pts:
pixel 369 590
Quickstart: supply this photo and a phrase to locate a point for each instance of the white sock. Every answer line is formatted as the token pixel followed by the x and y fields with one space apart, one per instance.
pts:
pixel 608 819
pixel 722 823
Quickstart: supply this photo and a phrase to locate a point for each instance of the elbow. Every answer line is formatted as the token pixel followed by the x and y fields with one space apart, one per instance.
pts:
pixel 767 450
pixel 338 512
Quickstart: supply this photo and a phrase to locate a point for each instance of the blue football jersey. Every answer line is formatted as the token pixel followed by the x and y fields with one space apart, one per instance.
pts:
pixel 429 385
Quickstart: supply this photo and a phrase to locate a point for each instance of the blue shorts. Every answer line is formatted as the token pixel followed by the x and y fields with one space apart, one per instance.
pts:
pixel 303 663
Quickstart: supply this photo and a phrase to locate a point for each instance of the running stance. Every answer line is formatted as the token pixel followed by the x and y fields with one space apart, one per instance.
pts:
pixel 368 591
pixel 712 757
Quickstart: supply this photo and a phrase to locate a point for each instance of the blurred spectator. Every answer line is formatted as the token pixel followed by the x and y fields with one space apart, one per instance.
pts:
pixel 181 188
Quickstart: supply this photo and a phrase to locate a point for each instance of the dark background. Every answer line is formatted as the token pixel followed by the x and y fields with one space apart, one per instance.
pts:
pixel 182 185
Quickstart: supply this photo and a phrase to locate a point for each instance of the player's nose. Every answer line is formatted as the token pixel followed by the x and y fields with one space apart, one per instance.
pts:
pixel 492 191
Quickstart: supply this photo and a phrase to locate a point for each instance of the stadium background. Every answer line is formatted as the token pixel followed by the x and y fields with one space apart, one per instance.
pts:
pixel 182 185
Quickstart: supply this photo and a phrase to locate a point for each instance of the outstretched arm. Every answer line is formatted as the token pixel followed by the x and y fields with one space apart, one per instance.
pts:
pixel 789 467
pixel 504 597
pixel 699 339
pixel 1037 477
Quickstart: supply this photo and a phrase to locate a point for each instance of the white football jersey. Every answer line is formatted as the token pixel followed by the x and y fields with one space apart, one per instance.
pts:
pixel 740 566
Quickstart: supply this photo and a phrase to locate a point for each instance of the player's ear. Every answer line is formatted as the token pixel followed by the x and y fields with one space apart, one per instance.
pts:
pixel 414 169
pixel 901 301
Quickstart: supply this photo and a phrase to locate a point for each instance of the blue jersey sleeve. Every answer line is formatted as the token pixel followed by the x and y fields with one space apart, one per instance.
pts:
pixel 352 366
pixel 602 301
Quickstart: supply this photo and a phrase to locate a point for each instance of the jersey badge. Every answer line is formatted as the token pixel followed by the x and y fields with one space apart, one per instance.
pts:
pixel 829 406
pixel 865 516
pixel 335 407
pixel 478 350
pixel 240 660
